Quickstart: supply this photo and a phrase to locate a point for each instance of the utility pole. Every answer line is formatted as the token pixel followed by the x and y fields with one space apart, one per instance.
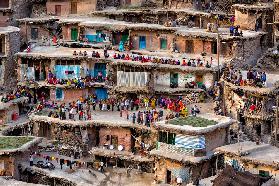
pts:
pixel 276 119
pixel 218 54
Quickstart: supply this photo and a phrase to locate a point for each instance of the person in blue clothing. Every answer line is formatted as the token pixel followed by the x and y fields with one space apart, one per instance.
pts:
pixel 121 46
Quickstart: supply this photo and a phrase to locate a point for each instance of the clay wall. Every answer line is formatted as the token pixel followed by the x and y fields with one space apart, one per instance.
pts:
pixel 25 32
pixel 106 135
pixel 152 39
pixel 65 7
pixel 70 95
pixel 216 139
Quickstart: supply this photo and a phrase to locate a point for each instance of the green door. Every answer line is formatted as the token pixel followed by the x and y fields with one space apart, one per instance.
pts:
pixel 174 80
pixel 74 34
pixel 163 43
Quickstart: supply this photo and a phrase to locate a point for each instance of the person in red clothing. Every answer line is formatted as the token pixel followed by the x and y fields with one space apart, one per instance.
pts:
pixel 253 107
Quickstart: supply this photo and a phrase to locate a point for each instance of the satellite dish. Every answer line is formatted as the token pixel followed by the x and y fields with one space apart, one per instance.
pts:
pixel 120 147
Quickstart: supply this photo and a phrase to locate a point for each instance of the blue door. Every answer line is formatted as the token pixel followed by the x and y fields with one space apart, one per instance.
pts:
pixel 100 67
pixel 101 93
pixel 142 42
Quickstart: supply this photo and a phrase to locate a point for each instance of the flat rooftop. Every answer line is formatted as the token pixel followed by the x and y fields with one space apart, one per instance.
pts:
pixel 192 121
pixel 215 122
pixel 271 78
pixel 181 157
pixel 263 153
pixel 115 25
pixel 256 6
pixel 67 53
pixel 10 144
pixel 8 29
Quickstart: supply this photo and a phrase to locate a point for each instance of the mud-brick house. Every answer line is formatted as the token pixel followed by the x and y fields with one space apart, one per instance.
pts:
pixel 37 65
pixel 124 146
pixel 15 150
pixel 258 17
pixel 185 147
pixel 118 142
pixel 9 45
pixel 38 30
pixel 11 110
pixel 256 158
pixel 253 107
pixel 66 7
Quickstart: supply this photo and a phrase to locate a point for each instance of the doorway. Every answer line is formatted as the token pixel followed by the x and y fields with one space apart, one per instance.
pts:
pixel 73 7
pixel 74 34
pixel 114 141
pixel 168 177
pixel 58 10
pixel 189 46
pixel 174 80
pixel 142 42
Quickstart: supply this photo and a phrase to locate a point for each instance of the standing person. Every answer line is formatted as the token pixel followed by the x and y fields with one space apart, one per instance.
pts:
pixel 134 118
pixel 31 160
pixel 146 103
pixel 61 163
pixel 136 103
pixel 94 104
pixel 102 166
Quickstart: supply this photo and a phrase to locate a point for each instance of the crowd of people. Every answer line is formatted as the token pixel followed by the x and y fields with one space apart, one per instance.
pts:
pixel 77 82
pixel 21 91
pixel 197 62
pixel 144 110
pixel 254 78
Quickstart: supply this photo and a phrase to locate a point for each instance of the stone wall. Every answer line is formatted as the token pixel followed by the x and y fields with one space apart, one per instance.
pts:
pixel 9 64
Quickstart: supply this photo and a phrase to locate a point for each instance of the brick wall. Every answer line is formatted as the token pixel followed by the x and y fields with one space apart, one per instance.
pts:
pixel 123 134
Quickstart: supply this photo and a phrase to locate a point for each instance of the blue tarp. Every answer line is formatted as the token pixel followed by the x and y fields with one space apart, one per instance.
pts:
pixel 101 93
pixel 67 71
pixel 190 142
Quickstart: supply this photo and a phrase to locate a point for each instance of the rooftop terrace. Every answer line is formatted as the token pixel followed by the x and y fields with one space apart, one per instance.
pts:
pixel 204 123
pixel 8 29
pixel 192 121
pixel 260 154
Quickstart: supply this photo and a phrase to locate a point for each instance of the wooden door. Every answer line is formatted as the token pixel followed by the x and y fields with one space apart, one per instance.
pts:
pixel 73 7
pixel 114 141
pixel 189 46
pixel 168 176
pixel 58 10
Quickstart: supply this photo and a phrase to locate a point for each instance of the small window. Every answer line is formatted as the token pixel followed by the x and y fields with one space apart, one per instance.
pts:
pixel 163 43
pixel 263 173
pixel 59 94
pixel 2 45
pixel 34 33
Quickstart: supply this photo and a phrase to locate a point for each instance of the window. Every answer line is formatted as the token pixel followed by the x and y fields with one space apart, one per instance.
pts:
pixel 163 43
pixel 34 33
pixel 167 137
pixel 59 94
pixel 263 173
